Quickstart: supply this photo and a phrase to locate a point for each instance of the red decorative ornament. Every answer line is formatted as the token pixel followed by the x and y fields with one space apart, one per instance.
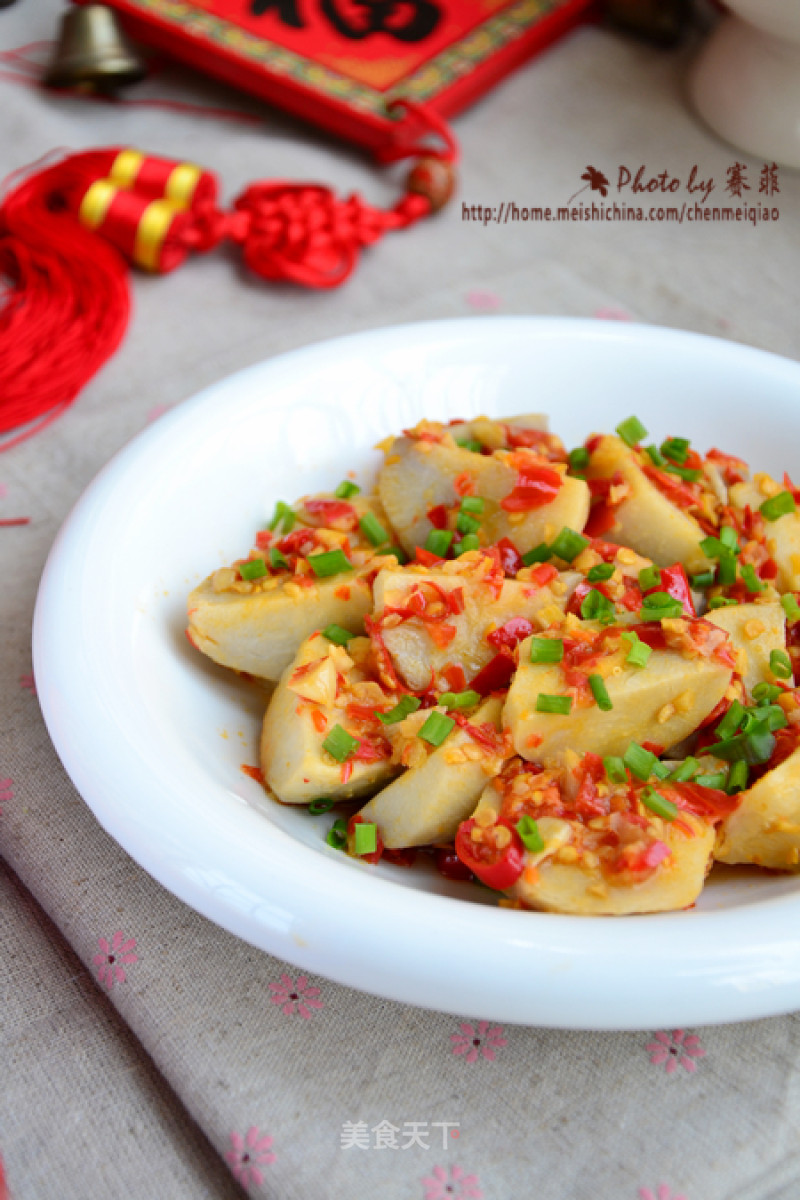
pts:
pixel 69 231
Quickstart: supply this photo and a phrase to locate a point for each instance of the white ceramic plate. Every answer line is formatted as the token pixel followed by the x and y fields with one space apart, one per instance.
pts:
pixel 154 736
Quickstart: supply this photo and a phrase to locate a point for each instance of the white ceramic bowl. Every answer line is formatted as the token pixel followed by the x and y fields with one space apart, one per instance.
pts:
pixel 154 736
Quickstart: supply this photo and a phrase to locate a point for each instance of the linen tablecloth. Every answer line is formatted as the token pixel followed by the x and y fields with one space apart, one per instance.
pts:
pixel 146 1053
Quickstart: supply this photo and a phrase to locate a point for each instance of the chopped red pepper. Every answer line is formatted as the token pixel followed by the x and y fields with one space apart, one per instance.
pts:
pixel 675 583
pixel 684 495
pixel 450 865
pixel 438 516
pixel 426 558
pixel 510 557
pixel 495 676
pixel 498 868
pixel 510 634
pixel 536 486
pixel 734 470
pixel 464 484
pixel 454 674
pixel 544 574
pixel 602 518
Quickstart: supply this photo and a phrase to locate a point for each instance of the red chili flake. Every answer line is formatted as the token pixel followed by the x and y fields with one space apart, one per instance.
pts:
pixel 332 512
pixel 449 865
pixel 593 442
pixel 536 487
pixel 437 516
pixel 425 557
pixel 372 751
pixel 464 484
pixel 544 574
pixel 734 470
pixel 675 583
pixel 405 857
pixel 683 495
pixel 454 674
pixel 495 676
pixel 510 634
pixel 455 600
pixel 346 770
pixel 319 719
pixel 790 487
pixel 769 569
pixel 654 748
pixel 254 772
pixel 602 518
pixel 441 635
pixel 510 557
pixel 263 539
pixel 342 593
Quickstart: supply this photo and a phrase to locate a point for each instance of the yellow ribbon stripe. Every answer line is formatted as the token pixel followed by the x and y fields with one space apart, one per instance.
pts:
pixel 153 229
pixel 125 168
pixel 182 183
pixel 96 203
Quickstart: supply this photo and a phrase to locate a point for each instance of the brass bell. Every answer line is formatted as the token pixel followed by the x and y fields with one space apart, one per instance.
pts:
pixel 92 52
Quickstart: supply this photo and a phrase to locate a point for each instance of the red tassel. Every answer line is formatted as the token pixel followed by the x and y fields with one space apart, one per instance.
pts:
pixel 66 233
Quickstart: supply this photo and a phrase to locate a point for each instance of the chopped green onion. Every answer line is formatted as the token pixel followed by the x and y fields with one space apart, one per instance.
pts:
pixel 467 524
pixel 676 450
pixel 597 607
pixel 332 562
pixel 457 700
pixel 728 538
pixel 339 744
pixel 659 804
pixel 790 607
pixel 579 458
pixel 688 474
pixel 600 693
pixel 661 770
pixel 631 431
pixel 656 457
pixel 726 571
pixel 470 542
pixel 322 804
pixel 639 653
pixel 529 834
pixel 399 554
pixel 561 705
pixel 750 579
pixel 283 516
pixel 568 544
pixel 717 779
pixel 659 606
pixel 539 554
pixel 436 728
pixel 438 542
pixel 254 568
pixel 406 705
pixel 774 715
pixel 472 504
pixel 276 559
pixel 365 838
pixel 684 771
pixel 337 835
pixel 615 769
pixel 754 746
pixel 346 489
pixel 649 577
pixel 372 529
pixel 737 777
pixel 547 650
pixel 780 664
pixel 469 444
pixel 600 573
pixel 335 633
pixel 703 579
pixel 778 506
pixel 714 547
pixel 765 693
pixel 730 722
pixel 722 602
pixel 639 761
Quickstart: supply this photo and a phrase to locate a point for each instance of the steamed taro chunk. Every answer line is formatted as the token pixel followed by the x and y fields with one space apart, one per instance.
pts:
pixel 321 735
pixel 441 627
pixel 755 630
pixel 602 688
pixel 444 780
pixel 650 508
pixel 765 828
pixel 253 615
pixel 571 840
pixel 521 494
pixel 770 529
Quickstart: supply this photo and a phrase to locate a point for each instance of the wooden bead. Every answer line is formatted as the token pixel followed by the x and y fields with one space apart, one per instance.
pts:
pixel 433 178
